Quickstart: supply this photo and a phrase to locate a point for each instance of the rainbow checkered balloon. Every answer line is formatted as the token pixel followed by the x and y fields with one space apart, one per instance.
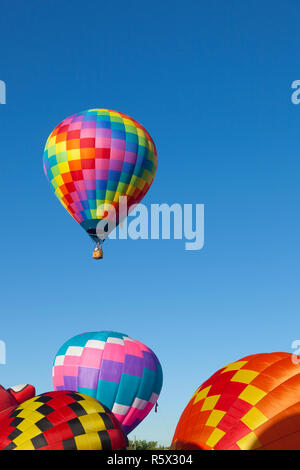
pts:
pixel 94 157
pixel 121 372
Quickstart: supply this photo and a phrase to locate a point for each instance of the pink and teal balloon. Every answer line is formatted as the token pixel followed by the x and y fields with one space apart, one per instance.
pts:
pixel 121 372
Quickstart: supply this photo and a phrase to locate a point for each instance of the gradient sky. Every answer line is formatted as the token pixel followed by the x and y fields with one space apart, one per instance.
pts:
pixel 211 81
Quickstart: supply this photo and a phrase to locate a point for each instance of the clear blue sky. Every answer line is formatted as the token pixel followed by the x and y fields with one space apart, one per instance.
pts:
pixel 211 82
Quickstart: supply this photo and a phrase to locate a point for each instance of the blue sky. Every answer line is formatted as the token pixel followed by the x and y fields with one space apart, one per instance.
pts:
pixel 211 81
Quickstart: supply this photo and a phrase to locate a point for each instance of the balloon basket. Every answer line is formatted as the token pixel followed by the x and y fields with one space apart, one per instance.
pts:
pixel 98 254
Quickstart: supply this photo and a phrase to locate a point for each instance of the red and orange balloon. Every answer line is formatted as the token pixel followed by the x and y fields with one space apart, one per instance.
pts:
pixel 253 403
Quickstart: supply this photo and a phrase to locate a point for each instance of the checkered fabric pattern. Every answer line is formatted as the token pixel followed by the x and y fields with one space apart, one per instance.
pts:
pixel 122 373
pixel 253 403
pixel 94 157
pixel 62 421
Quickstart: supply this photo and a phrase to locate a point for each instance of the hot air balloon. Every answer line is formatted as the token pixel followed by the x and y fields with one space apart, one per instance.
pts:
pixel 122 373
pixel 93 160
pixel 12 397
pixel 61 421
pixel 253 403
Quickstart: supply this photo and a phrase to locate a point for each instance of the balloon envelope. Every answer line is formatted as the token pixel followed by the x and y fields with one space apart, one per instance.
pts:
pixel 253 403
pixel 94 157
pixel 61 421
pixel 122 373
pixel 12 397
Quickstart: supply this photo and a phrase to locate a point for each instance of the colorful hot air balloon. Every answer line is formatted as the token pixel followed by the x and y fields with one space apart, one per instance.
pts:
pixel 119 371
pixel 92 159
pixel 61 421
pixel 253 403
pixel 12 397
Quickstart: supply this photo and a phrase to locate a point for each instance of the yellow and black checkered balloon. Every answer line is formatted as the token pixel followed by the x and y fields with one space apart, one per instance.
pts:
pixel 61 420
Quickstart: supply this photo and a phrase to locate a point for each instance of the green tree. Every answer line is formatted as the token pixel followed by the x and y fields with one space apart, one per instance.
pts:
pixel 144 445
